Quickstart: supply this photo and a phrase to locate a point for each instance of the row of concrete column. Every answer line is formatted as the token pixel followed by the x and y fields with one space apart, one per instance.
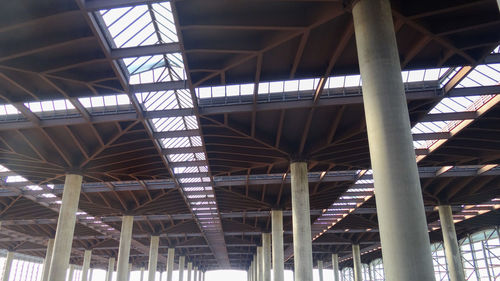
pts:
pixel 400 209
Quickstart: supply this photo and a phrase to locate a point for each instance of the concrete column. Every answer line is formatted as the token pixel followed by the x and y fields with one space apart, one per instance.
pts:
pixel 301 220
pixel 356 259
pixel 153 257
pixel 8 265
pixel 195 273
pixel 182 260
pixel 91 274
pixel 400 208
pixel 87 256
pixel 335 267
pixel 161 275
pixel 48 258
pixel 129 271
pixel 250 271
pixel 71 272
pixel 111 269
pixel 199 274
pixel 65 228
pixel 266 256
pixel 451 248
pixel 141 278
pixel 122 267
pixel 320 270
pixel 278 256
pixel 189 268
pixel 260 270
pixel 170 264
pixel 255 268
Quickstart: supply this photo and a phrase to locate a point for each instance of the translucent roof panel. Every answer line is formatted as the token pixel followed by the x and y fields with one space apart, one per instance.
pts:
pixel 166 24
pixel 130 26
pixel 155 68
pixel 165 100
pixel 482 75
pixel 8 109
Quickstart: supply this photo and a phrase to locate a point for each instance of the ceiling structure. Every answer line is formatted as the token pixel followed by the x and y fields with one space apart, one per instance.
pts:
pixel 186 114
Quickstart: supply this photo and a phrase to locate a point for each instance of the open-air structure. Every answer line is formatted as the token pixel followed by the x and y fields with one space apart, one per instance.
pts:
pixel 197 135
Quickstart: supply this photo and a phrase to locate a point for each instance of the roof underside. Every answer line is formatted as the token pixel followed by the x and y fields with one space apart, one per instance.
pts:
pixel 62 51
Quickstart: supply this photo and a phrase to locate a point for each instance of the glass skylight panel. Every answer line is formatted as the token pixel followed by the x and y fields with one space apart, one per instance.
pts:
pixel 8 109
pixel 176 142
pixel 191 122
pixel 482 75
pixel 182 157
pixel 165 21
pixel 17 178
pixel 111 101
pixel 131 26
pixel 168 124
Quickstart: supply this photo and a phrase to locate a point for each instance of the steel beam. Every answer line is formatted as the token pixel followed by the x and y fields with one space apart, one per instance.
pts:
pixel 166 48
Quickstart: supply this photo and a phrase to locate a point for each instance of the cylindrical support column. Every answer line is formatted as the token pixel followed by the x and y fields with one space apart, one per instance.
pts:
pixel 250 271
pixel 111 269
pixel 71 272
pixel 255 268
pixel 260 269
pixel 8 265
pixel 320 270
pixel 335 267
pixel 356 260
pixel 87 256
pixel 400 208
pixel 301 220
pixel 129 271
pixel 141 278
pixel 170 264
pixel 182 260
pixel 48 258
pixel 195 273
pixel 122 267
pixel 451 248
pixel 189 268
pixel 278 256
pixel 65 228
pixel 266 256
pixel 200 272
pixel 153 257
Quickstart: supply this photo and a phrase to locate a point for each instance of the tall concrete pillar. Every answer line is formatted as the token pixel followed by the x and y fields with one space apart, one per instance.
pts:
pixel 129 271
pixel 278 256
pixel 71 272
pixel 189 268
pixel 200 272
pixel 255 267
pixel 335 267
pixel 170 264
pixel 87 256
pixel 250 271
pixel 182 260
pixel 141 278
pixel 400 208
pixel 111 269
pixel 451 248
pixel 65 228
pixel 320 270
pixel 153 257
pixel 8 266
pixel 48 258
pixel 266 256
pixel 260 269
pixel 356 259
pixel 195 273
pixel 301 219
pixel 123 267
